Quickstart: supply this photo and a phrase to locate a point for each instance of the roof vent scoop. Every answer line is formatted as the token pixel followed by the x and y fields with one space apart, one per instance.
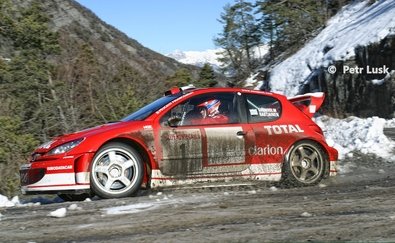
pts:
pixel 176 90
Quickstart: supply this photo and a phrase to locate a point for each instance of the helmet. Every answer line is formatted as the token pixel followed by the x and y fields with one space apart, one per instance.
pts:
pixel 211 106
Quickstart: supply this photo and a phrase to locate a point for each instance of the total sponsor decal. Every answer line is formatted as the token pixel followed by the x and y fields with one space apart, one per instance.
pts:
pixel 283 129
pixel 266 150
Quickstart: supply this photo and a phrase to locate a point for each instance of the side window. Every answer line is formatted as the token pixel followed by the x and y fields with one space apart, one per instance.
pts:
pixel 212 108
pixel 262 108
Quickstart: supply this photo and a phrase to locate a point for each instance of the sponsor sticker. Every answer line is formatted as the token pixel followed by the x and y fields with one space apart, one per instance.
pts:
pixel 268 112
pixel 266 150
pixel 283 129
pixel 61 167
pixel 253 112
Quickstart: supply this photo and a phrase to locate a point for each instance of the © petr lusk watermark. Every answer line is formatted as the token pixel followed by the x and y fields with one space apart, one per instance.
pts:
pixel 360 70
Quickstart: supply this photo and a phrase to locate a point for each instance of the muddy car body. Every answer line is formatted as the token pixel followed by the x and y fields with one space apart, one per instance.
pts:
pixel 265 136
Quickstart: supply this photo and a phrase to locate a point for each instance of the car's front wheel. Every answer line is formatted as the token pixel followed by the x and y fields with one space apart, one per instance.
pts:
pixel 304 165
pixel 116 171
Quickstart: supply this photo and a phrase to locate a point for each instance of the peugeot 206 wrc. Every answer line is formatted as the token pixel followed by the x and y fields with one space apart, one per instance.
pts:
pixel 187 136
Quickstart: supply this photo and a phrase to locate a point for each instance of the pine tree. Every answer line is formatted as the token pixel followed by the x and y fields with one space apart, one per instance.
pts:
pixel 26 76
pixel 207 77
pixel 287 24
pixel 182 77
pixel 239 38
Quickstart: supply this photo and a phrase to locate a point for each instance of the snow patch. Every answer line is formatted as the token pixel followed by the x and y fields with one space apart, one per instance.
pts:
pixel 4 202
pixel 58 213
pixel 306 215
pixel 74 207
pixel 252 192
pixel 357 134
pixel 321 185
pixel 128 209
pixel 378 81
pixel 273 189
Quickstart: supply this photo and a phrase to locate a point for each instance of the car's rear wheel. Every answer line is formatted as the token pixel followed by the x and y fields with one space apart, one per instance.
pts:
pixel 304 165
pixel 116 171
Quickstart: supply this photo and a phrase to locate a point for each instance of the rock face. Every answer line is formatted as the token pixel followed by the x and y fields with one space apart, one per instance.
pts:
pixel 363 86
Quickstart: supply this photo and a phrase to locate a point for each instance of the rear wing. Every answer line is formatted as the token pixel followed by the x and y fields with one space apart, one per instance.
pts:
pixel 308 103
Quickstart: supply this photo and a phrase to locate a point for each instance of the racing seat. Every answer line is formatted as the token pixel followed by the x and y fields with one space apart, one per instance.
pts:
pixel 227 109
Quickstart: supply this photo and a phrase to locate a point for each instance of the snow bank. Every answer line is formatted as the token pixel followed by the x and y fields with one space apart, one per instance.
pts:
pixel 357 134
pixel 356 24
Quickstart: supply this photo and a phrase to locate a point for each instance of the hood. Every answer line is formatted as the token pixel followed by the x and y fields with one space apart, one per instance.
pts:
pixel 86 133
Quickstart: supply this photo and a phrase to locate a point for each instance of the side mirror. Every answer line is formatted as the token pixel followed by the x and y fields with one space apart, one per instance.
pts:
pixel 174 121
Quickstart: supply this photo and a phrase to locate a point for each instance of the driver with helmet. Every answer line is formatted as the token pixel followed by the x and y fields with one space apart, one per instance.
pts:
pixel 209 111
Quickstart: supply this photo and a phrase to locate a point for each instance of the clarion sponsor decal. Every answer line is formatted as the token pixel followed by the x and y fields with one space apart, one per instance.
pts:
pixel 282 129
pixel 266 150
pixel 62 167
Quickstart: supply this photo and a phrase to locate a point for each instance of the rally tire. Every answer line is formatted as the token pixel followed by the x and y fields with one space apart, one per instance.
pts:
pixel 116 171
pixel 304 165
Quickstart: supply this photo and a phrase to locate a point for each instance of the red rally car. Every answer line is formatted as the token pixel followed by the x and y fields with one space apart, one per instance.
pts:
pixel 187 136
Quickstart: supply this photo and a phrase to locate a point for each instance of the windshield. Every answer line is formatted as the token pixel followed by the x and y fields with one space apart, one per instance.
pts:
pixel 149 109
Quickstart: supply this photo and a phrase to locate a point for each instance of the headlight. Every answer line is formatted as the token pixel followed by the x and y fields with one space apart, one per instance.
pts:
pixel 46 145
pixel 65 147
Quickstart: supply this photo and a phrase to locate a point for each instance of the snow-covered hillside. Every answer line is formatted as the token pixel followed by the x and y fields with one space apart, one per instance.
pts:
pixel 197 58
pixel 357 24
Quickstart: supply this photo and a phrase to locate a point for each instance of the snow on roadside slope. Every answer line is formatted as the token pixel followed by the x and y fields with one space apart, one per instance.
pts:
pixel 356 24
pixel 358 134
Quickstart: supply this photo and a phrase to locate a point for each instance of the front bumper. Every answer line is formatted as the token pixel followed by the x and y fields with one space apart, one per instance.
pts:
pixel 68 173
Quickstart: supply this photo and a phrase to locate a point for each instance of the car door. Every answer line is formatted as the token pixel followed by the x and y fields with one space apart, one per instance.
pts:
pixel 207 146
pixel 263 113
pixel 227 143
